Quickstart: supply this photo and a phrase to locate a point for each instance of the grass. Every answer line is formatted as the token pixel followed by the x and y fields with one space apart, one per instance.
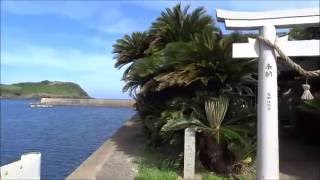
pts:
pixel 153 173
pixel 153 165
pixel 10 89
pixel 208 176
pixel 212 176
pixel 248 174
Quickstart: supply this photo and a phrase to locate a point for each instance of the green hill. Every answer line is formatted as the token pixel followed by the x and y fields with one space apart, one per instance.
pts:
pixel 42 89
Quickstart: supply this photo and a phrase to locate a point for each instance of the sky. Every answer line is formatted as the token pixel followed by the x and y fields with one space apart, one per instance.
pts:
pixel 72 40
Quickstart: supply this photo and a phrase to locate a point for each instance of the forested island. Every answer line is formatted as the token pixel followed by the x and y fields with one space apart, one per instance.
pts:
pixel 50 89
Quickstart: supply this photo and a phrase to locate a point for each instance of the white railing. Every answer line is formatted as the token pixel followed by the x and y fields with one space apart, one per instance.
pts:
pixel 28 167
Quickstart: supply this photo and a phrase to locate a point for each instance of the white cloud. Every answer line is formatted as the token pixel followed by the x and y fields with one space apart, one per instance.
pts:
pixel 123 26
pixel 93 71
pixel 97 66
pixel 69 59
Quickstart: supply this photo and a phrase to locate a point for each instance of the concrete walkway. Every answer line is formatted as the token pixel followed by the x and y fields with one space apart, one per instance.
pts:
pixel 114 159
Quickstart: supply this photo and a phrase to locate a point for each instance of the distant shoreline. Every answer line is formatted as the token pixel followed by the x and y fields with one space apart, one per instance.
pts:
pixel 39 98
pixel 43 89
pixel 78 101
pixel 87 102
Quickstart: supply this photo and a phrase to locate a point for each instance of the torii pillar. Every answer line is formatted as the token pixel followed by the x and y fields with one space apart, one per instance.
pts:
pixel 266 23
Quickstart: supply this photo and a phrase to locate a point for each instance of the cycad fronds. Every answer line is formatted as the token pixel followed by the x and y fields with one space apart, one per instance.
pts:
pixel 216 110
pixel 177 24
pixel 130 48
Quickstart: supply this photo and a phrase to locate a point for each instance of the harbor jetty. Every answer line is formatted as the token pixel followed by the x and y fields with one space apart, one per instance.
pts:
pixel 87 102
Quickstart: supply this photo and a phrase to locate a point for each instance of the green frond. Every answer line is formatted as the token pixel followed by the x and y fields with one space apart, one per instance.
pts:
pixel 243 151
pixel 131 87
pixel 182 122
pixel 181 54
pixel 231 135
pixel 130 48
pixel 177 24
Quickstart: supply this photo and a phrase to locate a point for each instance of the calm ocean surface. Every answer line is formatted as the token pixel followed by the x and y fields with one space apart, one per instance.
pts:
pixel 65 135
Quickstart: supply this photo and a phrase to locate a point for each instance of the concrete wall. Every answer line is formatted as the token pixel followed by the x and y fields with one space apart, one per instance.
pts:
pixel 88 102
pixel 28 167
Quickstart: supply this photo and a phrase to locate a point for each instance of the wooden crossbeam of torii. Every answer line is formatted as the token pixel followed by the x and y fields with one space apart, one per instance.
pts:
pixel 266 23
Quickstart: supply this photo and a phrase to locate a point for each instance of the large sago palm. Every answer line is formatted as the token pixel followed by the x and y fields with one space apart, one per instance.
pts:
pixel 182 54
pixel 221 135
pixel 179 49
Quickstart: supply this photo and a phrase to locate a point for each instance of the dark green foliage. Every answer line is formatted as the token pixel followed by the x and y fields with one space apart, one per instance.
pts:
pixel 174 68
pixel 226 134
pixel 300 33
pixel 311 105
pixel 7 90
pixel 45 82
pixel 131 48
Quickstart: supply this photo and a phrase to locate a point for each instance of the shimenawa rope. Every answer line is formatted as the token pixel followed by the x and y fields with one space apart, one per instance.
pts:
pixel 287 60
pixel 308 74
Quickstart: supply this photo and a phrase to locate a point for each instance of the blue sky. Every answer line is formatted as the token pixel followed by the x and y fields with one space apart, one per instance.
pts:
pixel 72 41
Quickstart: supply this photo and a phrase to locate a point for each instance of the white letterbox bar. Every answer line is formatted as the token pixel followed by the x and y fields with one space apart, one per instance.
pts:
pixel 302 48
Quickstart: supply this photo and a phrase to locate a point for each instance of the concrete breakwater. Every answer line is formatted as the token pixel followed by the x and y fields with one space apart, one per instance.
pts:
pixel 88 102
pixel 116 158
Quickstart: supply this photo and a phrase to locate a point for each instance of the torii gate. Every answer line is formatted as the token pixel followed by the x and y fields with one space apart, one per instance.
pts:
pixel 266 23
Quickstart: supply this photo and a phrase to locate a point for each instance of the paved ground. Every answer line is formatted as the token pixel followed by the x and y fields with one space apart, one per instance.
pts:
pixel 114 160
pixel 128 143
pixel 299 160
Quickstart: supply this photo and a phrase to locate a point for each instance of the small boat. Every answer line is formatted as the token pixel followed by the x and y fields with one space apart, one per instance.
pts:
pixel 28 167
pixel 33 105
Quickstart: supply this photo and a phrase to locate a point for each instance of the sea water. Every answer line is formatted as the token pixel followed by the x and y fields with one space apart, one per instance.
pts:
pixel 65 135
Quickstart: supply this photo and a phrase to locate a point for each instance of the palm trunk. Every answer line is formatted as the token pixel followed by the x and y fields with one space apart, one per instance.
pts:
pixel 214 156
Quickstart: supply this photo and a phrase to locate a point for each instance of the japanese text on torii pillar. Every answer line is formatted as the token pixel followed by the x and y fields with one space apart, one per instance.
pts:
pixel 268 73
